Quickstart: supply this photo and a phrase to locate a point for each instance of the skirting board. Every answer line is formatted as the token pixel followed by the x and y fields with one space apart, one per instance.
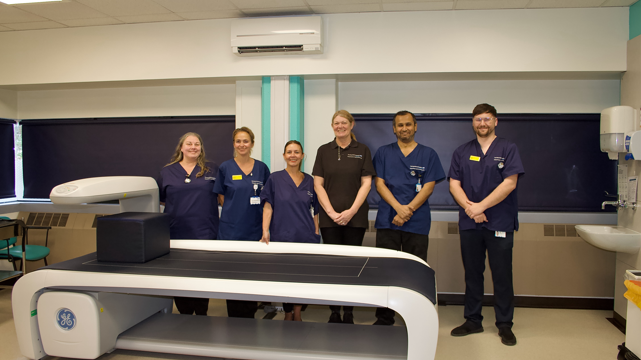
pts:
pixel 537 301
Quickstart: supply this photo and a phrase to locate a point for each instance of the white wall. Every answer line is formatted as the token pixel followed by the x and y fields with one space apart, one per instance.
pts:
pixel 321 98
pixel 630 96
pixel 552 40
pixel 508 96
pixel 248 112
pixel 8 104
pixel 128 101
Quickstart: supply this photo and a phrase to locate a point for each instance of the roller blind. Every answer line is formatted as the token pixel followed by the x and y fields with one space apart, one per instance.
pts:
pixel 565 169
pixel 61 150
pixel 7 159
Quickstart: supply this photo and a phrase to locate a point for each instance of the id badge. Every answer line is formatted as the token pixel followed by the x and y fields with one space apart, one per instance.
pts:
pixel 254 200
pixel 500 234
pixel 418 187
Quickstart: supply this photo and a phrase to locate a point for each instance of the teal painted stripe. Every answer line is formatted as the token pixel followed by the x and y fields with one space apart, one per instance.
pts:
pixel 297 109
pixel 266 116
pixel 635 20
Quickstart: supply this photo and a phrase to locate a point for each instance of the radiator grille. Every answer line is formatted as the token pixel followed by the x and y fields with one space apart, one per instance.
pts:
pixel 559 230
pixel 47 219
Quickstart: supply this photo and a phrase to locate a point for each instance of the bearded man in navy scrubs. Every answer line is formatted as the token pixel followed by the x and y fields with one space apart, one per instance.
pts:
pixel 483 178
pixel 406 173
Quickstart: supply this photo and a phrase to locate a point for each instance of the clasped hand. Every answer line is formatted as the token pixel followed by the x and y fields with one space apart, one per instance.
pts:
pixel 403 215
pixel 342 218
pixel 476 212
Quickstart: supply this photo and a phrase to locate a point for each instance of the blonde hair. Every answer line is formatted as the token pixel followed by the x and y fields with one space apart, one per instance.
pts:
pixel 244 129
pixel 178 155
pixel 345 114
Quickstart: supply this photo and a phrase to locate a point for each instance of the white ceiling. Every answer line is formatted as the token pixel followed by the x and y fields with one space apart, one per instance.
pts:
pixel 76 13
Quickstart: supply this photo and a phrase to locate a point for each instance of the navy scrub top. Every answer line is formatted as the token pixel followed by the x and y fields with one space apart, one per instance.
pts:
pixel 401 174
pixel 480 174
pixel 294 208
pixel 240 220
pixel 192 207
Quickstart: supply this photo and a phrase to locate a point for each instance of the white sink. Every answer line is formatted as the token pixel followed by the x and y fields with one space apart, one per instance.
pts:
pixel 612 238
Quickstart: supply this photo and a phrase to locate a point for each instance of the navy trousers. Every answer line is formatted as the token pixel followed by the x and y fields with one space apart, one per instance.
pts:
pixel 474 245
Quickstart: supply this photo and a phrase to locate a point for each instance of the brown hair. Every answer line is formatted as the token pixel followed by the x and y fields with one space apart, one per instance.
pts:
pixel 345 114
pixel 301 150
pixel 484 108
pixel 178 154
pixel 244 129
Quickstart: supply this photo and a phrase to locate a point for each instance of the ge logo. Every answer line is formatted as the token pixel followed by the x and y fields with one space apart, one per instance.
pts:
pixel 66 319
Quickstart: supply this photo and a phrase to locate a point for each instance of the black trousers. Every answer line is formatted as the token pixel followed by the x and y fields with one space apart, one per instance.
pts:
pixel 289 307
pixel 190 306
pixel 474 245
pixel 415 244
pixel 342 235
pixel 241 308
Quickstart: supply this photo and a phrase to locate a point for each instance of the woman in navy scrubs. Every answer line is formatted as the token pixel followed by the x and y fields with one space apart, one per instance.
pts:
pixel 186 185
pixel 342 179
pixel 290 209
pixel 239 185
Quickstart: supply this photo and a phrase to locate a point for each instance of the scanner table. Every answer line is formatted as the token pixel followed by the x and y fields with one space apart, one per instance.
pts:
pixel 83 308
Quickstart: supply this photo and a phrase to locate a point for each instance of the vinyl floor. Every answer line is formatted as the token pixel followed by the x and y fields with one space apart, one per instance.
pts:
pixel 541 334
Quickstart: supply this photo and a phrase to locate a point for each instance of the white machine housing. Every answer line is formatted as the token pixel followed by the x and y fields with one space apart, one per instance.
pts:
pixel 135 193
pixel 34 291
pixel 616 121
pixel 277 36
pixel 99 318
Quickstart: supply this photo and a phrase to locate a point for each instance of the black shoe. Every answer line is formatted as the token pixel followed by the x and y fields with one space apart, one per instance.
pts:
pixel 335 318
pixel 348 318
pixel 469 327
pixel 507 336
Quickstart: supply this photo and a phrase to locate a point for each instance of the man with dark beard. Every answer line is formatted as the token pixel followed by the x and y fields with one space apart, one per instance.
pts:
pixel 483 178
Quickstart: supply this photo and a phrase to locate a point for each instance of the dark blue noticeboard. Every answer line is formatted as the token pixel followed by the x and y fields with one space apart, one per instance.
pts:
pixel 564 168
pixel 7 159
pixel 56 151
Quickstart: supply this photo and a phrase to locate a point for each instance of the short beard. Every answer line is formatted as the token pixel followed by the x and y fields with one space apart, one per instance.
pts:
pixel 405 141
pixel 489 133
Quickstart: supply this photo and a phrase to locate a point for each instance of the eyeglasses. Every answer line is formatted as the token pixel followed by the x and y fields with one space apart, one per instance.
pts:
pixel 485 120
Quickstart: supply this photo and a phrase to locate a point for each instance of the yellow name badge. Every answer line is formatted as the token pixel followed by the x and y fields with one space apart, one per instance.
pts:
pixel 475 158
pixel 236 177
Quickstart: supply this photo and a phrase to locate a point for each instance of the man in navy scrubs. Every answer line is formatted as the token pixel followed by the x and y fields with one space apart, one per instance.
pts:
pixel 483 178
pixel 406 173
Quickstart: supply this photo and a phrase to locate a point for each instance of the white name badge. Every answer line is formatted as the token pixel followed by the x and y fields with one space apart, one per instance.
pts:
pixel 418 187
pixel 254 200
pixel 500 234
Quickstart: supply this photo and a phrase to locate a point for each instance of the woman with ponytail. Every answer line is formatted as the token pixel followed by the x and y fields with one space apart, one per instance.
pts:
pixel 342 179
pixel 290 208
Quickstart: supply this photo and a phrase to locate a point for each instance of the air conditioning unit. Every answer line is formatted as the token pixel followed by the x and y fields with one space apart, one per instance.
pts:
pixel 282 35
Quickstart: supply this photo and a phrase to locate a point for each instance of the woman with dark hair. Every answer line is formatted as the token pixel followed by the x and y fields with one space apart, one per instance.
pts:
pixel 186 185
pixel 290 208
pixel 240 183
pixel 342 179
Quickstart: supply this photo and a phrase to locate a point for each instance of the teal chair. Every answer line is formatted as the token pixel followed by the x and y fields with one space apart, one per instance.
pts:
pixel 32 252
pixel 4 247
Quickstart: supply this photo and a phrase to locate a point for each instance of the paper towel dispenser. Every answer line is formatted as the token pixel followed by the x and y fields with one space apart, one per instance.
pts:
pixel 616 121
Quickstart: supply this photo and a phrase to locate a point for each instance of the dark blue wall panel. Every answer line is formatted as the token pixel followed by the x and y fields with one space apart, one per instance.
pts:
pixel 565 169
pixel 62 150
